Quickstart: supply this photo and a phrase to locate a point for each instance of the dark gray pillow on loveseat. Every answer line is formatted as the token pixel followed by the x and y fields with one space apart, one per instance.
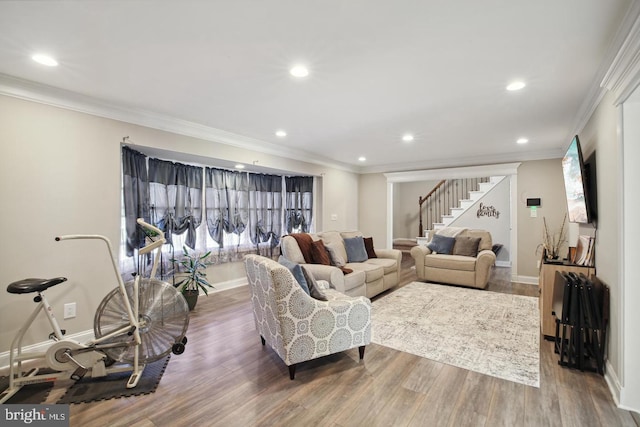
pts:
pixel 441 244
pixel 466 246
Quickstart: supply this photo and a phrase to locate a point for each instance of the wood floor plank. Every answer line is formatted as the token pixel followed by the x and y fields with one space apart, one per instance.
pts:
pixel 474 400
pixel 437 406
pixel 541 404
pixel 605 406
pixel 574 398
pixel 366 405
pixel 423 375
pixel 507 407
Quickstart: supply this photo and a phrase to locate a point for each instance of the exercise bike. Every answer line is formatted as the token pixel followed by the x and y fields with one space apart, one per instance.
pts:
pixel 137 323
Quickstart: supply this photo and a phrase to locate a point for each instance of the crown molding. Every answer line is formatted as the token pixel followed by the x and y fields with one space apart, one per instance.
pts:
pixel 453 173
pixel 466 162
pixel 623 74
pixel 49 95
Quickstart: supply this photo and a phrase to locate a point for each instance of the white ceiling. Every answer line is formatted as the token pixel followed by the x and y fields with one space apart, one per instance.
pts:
pixel 378 69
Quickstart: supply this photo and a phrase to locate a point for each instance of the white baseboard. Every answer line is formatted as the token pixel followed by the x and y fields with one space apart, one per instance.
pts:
pixel 613 383
pixel 229 284
pixel 41 347
pixel 527 280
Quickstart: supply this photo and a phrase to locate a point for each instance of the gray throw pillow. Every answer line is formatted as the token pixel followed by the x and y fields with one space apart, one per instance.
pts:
pixel 466 246
pixel 441 244
pixel 314 289
pixel 296 270
pixel 356 251
pixel 336 259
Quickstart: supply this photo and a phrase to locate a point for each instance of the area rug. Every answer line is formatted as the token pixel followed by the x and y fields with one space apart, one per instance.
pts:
pixel 115 385
pixel 487 332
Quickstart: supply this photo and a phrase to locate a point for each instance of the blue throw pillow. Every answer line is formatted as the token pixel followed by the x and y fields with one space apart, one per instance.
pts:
pixel 296 270
pixel 441 244
pixel 356 252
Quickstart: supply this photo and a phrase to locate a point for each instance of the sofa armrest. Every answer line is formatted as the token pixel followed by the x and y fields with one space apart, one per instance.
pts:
pixel 485 260
pixel 418 253
pixel 330 273
pixel 389 253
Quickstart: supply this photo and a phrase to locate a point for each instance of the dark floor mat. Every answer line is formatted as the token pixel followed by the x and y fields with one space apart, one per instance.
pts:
pixel 114 385
pixel 30 393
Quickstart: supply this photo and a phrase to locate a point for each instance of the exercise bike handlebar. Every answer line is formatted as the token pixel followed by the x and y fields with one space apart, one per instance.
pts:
pixel 114 263
pixel 150 227
pixel 155 245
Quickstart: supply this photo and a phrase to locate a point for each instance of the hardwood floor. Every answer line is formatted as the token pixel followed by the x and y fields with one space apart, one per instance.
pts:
pixel 227 378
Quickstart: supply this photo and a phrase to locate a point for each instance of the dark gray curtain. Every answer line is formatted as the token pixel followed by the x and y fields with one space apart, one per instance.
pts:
pixel 227 202
pixel 299 203
pixel 176 198
pixel 265 208
pixel 135 192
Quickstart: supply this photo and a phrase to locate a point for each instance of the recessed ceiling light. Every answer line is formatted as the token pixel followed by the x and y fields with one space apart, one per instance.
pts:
pixel 407 137
pixel 44 60
pixel 522 141
pixel 281 133
pixel 516 86
pixel 299 71
pixel 239 166
pixel 362 159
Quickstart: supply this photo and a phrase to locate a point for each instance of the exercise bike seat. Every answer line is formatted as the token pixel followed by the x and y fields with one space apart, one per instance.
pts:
pixel 27 286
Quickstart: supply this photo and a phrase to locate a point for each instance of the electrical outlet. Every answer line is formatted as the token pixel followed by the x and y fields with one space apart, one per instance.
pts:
pixel 70 310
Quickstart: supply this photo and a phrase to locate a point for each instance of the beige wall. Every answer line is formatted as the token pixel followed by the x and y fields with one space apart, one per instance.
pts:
pixel 406 218
pixel 600 135
pixel 538 179
pixel 372 199
pixel 339 201
pixel 60 174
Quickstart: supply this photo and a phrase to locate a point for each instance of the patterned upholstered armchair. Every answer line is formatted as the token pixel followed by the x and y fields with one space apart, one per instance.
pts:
pixel 298 327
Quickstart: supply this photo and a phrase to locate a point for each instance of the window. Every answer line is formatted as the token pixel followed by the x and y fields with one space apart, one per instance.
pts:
pixel 243 211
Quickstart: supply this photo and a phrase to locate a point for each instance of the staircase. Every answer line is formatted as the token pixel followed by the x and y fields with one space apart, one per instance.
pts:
pixel 464 205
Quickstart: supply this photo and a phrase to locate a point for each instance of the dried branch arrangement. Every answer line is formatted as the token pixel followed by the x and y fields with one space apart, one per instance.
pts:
pixel 552 242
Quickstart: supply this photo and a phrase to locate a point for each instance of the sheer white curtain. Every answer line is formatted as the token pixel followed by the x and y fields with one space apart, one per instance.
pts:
pixel 265 209
pixel 299 203
pixel 176 199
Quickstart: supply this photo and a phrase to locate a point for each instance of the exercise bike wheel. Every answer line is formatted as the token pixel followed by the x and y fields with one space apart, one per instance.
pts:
pixel 163 317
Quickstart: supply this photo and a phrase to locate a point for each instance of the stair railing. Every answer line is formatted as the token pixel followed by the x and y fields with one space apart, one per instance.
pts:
pixel 444 196
pixel 422 200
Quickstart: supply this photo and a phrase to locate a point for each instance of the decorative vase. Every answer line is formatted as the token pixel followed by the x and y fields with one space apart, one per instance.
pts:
pixel 191 296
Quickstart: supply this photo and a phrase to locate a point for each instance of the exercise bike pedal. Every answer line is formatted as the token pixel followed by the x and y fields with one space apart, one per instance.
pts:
pixel 79 373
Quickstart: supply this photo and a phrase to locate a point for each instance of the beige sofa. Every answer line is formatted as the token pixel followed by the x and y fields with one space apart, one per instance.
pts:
pixel 369 278
pixel 457 269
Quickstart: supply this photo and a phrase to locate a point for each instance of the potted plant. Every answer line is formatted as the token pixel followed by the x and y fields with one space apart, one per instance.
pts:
pixel 194 278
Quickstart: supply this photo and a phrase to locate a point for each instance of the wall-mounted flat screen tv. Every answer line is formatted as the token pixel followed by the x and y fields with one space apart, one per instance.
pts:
pixel 575 184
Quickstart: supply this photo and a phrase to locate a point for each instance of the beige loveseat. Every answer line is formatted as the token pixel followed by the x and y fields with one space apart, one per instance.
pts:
pixel 368 278
pixel 463 270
